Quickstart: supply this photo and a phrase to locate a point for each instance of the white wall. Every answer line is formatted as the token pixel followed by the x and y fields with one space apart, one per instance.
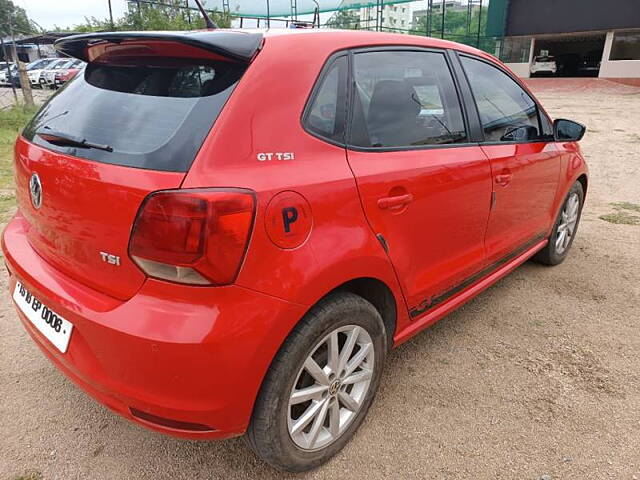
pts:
pixel 620 69
pixel 617 68
pixel 520 69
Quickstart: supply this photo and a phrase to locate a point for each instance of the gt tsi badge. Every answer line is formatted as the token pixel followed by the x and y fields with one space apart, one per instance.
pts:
pixel 288 219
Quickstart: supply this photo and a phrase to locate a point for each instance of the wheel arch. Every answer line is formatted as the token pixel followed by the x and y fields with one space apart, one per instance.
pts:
pixel 377 293
pixel 584 182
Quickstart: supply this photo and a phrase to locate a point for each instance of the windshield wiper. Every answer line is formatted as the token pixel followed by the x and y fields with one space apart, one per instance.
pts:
pixel 63 139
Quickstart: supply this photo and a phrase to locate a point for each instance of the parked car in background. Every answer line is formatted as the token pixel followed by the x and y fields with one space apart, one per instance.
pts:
pixel 567 64
pixel 590 64
pixel 543 65
pixel 11 77
pixel 208 277
pixel 67 72
pixel 35 70
pixel 50 72
pixel 3 73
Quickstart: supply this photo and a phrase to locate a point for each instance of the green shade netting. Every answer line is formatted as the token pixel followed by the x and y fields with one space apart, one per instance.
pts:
pixel 280 8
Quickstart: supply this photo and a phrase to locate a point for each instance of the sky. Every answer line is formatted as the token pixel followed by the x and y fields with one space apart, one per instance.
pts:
pixel 66 13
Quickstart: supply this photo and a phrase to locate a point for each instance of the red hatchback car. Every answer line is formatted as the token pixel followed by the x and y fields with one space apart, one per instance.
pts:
pixel 223 232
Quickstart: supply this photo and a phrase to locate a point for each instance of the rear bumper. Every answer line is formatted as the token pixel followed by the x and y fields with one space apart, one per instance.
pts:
pixel 186 361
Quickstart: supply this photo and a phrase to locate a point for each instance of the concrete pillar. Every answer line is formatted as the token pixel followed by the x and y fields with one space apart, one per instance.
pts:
pixel 532 49
pixel 606 51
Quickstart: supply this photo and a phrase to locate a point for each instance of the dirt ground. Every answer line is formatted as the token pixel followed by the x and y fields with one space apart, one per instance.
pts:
pixel 537 378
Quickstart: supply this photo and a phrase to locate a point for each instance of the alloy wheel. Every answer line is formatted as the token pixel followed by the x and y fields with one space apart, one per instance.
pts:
pixel 568 222
pixel 330 387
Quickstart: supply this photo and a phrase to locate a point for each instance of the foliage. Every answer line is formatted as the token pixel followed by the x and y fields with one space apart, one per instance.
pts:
pixel 17 16
pixel 12 120
pixel 457 28
pixel 346 19
pixel 152 17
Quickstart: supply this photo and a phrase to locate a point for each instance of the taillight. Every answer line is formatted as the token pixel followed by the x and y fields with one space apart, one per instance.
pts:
pixel 194 236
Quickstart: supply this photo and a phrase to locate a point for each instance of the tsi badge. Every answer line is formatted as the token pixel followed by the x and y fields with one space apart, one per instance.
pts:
pixel 110 259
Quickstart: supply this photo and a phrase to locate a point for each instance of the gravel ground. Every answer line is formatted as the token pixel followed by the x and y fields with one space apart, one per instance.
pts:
pixel 7 99
pixel 537 378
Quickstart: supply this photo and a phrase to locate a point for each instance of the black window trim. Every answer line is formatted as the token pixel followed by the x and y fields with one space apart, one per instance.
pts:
pixel 341 103
pixel 540 110
pixel 405 48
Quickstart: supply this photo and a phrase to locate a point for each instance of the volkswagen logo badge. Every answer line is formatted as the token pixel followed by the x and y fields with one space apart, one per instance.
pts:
pixel 35 187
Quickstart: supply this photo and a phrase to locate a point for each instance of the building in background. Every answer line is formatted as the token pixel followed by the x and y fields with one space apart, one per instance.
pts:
pixel 582 37
pixel 395 17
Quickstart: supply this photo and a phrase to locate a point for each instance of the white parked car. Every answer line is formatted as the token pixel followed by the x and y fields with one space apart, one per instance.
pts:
pixel 36 69
pixel 543 64
pixel 3 73
pixel 49 73
pixel 56 67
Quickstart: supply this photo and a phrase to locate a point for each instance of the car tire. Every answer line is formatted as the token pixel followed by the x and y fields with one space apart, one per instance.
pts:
pixel 568 220
pixel 274 433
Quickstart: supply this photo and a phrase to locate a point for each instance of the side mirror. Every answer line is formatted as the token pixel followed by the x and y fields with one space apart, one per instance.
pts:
pixel 520 134
pixel 567 130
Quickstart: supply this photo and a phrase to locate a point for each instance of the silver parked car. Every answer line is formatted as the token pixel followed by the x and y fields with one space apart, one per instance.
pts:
pixel 49 74
pixel 35 69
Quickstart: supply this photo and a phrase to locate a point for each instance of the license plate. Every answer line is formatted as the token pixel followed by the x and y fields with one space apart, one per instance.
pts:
pixel 55 328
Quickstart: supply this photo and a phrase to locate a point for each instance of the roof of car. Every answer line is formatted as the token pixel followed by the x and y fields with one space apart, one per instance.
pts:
pixel 361 38
pixel 243 44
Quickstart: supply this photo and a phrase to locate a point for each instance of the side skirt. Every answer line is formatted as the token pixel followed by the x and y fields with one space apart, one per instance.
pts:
pixel 432 315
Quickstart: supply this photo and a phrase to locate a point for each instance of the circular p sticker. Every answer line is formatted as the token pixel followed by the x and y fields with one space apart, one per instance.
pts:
pixel 288 219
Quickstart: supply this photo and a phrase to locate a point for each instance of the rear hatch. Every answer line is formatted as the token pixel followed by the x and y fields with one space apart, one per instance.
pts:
pixel 130 124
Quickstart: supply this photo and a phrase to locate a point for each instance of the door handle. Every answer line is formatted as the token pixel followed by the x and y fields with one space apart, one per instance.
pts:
pixel 395 202
pixel 503 179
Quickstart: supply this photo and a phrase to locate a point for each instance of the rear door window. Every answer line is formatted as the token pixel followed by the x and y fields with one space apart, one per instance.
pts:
pixel 153 116
pixel 404 99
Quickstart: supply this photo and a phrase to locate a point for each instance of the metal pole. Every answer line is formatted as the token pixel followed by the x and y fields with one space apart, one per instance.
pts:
pixel 443 11
pixel 479 24
pixel 6 57
pixel 268 15
pixel 186 3
pixel 429 16
pixel 110 15
pixel 22 73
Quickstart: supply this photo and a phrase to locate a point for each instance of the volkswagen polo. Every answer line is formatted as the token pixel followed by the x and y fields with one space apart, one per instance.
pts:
pixel 223 233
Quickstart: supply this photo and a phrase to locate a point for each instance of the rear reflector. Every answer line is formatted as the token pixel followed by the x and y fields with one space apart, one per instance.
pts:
pixel 193 236
pixel 170 423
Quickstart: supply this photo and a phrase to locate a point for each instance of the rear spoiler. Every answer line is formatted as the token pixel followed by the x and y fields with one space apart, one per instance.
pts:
pixel 237 45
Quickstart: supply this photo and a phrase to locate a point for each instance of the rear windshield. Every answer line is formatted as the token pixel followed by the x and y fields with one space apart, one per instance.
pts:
pixel 153 116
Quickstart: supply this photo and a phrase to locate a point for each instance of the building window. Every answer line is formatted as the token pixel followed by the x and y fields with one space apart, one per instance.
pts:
pixel 626 46
pixel 515 49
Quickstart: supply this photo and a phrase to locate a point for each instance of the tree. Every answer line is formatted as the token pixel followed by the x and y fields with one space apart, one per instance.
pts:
pixel 9 13
pixel 152 17
pixel 456 26
pixel 347 19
